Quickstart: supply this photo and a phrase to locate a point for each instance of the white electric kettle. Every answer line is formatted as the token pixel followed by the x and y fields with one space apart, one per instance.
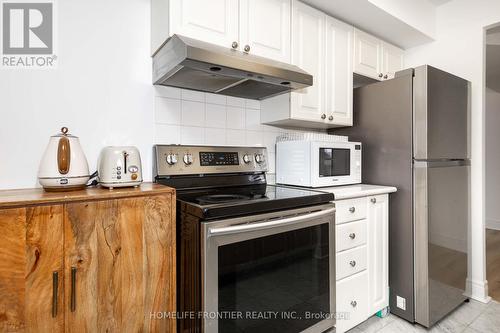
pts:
pixel 63 166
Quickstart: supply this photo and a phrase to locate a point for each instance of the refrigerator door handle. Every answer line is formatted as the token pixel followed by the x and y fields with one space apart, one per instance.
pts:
pixel 440 163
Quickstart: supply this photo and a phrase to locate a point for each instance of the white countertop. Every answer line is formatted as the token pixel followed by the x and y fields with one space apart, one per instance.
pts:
pixel 356 191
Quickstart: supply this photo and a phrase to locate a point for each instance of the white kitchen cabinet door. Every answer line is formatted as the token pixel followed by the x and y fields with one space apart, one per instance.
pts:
pixel 378 252
pixel 338 74
pixel 367 55
pixel 392 60
pixel 308 53
pixel 214 21
pixel 352 301
pixel 265 28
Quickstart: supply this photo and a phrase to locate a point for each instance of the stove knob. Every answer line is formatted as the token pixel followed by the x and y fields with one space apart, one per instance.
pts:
pixel 171 159
pixel 246 158
pixel 188 159
pixel 259 158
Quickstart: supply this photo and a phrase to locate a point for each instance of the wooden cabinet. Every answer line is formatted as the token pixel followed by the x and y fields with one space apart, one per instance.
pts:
pixel 265 28
pixel 362 258
pixel 99 262
pixel 236 24
pixel 375 58
pixel 322 46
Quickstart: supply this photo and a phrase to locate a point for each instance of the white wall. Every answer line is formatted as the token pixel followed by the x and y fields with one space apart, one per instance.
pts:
pixel 492 159
pixel 459 49
pixel 102 89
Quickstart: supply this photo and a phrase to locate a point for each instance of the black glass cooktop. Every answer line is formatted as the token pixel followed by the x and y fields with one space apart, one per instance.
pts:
pixel 246 200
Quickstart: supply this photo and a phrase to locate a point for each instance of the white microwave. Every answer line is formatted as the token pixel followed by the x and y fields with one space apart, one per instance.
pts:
pixel 318 164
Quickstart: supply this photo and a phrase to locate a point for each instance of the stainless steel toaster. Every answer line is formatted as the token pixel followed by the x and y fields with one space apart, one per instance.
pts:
pixel 119 166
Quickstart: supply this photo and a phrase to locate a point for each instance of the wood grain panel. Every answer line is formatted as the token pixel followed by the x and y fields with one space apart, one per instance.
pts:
pixel 44 256
pixel 12 265
pixel 31 250
pixel 160 262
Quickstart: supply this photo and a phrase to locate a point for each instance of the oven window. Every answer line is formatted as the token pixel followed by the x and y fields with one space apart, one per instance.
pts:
pixel 275 283
pixel 334 162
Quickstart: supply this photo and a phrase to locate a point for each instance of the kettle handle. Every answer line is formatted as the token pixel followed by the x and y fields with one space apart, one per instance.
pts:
pixel 63 153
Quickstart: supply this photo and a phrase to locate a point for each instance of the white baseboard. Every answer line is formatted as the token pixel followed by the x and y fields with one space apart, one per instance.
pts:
pixel 449 242
pixel 493 224
pixel 477 290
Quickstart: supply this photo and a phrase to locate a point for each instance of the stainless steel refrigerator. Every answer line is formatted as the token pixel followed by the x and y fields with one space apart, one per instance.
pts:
pixel 415 134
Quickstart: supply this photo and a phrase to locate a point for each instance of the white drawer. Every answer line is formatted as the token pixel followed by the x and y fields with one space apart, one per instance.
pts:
pixel 350 262
pixel 350 210
pixel 350 235
pixel 352 301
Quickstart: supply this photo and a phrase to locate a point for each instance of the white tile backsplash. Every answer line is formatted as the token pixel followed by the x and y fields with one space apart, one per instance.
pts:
pixel 215 115
pixel 167 111
pixel 193 113
pixel 235 117
pixel 192 117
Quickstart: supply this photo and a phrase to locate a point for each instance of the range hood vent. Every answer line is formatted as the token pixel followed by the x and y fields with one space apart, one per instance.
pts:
pixel 191 64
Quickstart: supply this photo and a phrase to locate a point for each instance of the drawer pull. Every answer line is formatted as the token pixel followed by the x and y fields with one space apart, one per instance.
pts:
pixel 374 200
pixel 352 209
pixel 55 287
pixel 352 263
pixel 352 235
pixel 73 290
pixel 354 303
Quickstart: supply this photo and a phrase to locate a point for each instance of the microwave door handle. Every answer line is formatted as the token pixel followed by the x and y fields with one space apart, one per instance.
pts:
pixel 268 224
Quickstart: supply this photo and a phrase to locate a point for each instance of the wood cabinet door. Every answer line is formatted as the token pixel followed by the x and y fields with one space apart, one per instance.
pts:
pixel 214 21
pixel 31 269
pixel 122 255
pixel 392 60
pixel 308 53
pixel 378 251
pixel 338 74
pixel 265 28
pixel 367 55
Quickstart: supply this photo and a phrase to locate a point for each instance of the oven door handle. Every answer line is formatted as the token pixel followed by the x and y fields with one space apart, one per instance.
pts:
pixel 268 224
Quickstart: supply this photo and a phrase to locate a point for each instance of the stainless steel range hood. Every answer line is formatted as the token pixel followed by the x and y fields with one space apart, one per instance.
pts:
pixel 191 64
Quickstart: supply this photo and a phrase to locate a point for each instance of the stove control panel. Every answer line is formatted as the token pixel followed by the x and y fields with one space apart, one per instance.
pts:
pixel 190 160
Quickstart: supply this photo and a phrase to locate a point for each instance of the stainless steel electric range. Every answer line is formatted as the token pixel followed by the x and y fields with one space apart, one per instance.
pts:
pixel 251 257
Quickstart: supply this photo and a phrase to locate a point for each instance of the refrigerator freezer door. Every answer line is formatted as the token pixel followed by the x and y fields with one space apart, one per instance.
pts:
pixel 383 122
pixel 441 213
pixel 441 115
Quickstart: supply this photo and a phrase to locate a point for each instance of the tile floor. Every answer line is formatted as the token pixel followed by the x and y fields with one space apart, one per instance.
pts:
pixel 472 317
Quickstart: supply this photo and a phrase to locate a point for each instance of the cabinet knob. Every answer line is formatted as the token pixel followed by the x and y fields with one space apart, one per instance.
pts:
pixel 380 75
pixel 330 118
pixel 352 209
pixel 374 200
pixel 354 303
pixel 323 116
pixel 352 263
pixel 385 76
pixel 352 235
pixel 234 45
pixel 247 48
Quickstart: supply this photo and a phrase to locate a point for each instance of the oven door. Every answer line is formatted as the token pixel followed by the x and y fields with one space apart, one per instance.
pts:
pixel 335 164
pixel 270 273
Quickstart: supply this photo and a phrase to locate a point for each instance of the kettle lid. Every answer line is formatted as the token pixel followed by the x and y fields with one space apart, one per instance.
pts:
pixel 64 133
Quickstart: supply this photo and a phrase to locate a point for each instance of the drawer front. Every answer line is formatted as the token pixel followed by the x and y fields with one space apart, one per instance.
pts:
pixel 352 301
pixel 350 210
pixel 350 235
pixel 351 262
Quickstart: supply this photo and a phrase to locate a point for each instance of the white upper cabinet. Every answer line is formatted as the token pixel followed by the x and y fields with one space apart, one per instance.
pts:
pixel 265 28
pixel 214 21
pixel 375 58
pixel 260 27
pixel 338 93
pixel 367 55
pixel 308 45
pixel 392 60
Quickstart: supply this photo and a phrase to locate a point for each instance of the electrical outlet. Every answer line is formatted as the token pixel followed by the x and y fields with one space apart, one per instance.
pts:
pixel 401 302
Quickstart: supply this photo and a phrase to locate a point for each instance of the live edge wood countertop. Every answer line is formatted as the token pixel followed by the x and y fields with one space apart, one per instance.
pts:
pixel 38 196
